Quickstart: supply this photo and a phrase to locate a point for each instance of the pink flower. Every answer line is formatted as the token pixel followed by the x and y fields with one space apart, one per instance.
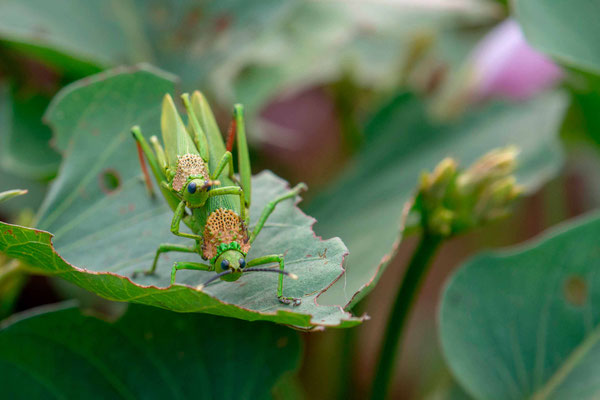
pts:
pixel 505 65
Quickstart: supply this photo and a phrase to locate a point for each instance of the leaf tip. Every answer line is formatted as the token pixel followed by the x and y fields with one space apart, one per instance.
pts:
pixel 12 193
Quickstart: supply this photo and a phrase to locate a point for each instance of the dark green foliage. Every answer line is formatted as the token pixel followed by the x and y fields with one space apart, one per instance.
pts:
pixel 147 353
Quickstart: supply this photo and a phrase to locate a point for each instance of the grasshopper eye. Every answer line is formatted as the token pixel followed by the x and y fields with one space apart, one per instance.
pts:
pixel 207 186
pixel 224 264
pixel 242 263
pixel 192 187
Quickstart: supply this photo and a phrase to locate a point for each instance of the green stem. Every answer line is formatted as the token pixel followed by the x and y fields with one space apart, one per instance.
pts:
pixel 12 280
pixel 411 283
pixel 347 387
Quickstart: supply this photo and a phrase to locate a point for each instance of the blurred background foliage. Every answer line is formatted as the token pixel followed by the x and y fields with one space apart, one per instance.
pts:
pixel 354 98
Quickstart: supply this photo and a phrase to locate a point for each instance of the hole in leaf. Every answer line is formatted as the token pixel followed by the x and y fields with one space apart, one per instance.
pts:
pixel 109 181
pixel 282 342
pixel 576 291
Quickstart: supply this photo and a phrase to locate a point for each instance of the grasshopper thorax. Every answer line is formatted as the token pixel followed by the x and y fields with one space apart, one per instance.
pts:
pixel 188 166
pixel 224 230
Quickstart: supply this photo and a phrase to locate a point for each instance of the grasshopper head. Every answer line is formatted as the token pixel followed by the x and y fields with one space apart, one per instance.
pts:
pixel 233 260
pixel 196 190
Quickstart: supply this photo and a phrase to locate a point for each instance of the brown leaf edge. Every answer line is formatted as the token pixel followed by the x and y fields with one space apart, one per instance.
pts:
pixel 385 260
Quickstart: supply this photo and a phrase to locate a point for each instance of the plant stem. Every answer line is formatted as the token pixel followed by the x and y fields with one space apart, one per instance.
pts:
pixel 347 388
pixel 12 279
pixel 411 283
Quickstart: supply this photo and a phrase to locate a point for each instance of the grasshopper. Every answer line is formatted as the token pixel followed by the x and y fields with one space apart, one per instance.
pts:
pixel 195 172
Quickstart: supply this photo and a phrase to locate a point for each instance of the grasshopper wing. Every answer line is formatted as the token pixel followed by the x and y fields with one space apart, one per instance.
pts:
pixel 211 129
pixel 176 139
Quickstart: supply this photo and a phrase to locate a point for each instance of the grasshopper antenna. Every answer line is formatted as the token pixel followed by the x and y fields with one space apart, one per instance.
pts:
pixel 214 278
pixel 293 276
pixel 210 183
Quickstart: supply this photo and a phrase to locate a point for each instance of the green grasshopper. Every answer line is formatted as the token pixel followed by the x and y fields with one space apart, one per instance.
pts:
pixel 195 172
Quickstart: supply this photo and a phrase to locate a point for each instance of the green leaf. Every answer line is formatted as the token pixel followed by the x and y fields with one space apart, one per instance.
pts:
pixel 96 32
pixel 367 204
pixel 524 323
pixel 24 142
pixel 376 44
pixel 17 165
pixel 106 227
pixel 238 50
pixel 148 353
pixel 185 36
pixel 567 30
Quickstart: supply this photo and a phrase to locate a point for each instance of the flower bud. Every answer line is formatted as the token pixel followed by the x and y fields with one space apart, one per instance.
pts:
pixel 494 202
pixel 435 185
pixel 451 201
pixel 496 164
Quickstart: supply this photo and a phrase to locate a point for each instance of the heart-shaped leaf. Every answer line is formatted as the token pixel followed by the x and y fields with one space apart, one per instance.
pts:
pixel 147 353
pixel 25 154
pixel 24 141
pixel 365 206
pixel 106 227
pixel 567 30
pixel 525 323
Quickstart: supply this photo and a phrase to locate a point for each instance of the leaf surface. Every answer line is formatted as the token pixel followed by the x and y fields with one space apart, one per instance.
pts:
pixel 240 51
pixel 24 142
pixel 567 30
pixel 104 225
pixel 523 323
pixel 147 353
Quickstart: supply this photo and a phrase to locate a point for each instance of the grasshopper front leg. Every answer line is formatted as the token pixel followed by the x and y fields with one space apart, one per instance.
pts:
pixel 226 160
pixel 278 259
pixel 177 217
pixel 188 265
pixel 243 154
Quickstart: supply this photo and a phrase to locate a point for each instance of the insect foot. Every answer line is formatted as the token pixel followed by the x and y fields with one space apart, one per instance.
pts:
pixel 290 300
pixel 145 272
